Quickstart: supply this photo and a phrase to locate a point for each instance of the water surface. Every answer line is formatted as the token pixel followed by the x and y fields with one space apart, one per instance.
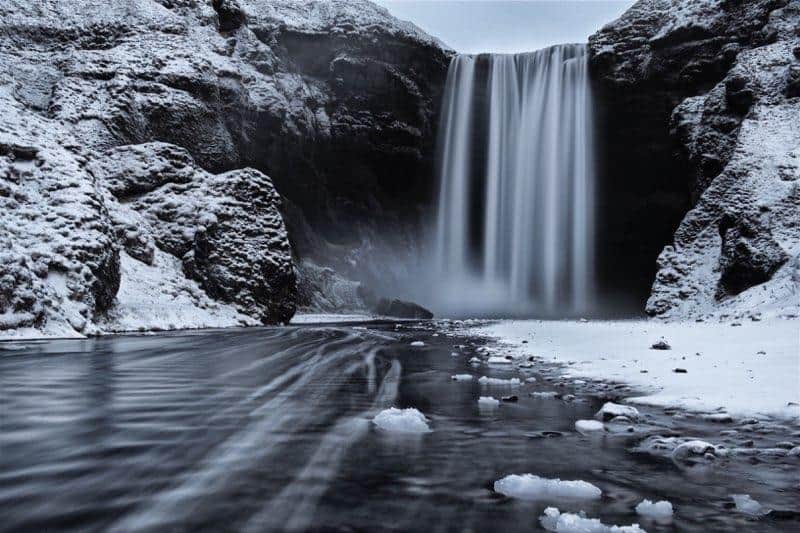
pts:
pixel 269 429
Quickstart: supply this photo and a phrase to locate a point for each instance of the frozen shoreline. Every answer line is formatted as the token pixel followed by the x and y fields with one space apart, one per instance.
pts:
pixel 744 371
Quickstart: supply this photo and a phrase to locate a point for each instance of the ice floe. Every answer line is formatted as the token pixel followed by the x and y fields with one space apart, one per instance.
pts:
pixel 402 420
pixel 554 520
pixel 532 487
pixel 461 377
pixel 747 505
pixel 417 343
pixel 662 509
pixel 589 426
pixel 488 401
pixel 494 360
pixel 499 381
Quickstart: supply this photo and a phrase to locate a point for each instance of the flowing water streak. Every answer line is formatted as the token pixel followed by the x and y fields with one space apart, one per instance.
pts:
pixel 515 208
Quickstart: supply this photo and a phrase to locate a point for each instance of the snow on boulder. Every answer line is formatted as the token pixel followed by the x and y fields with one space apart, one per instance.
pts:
pixel 532 487
pixel 662 509
pixel 693 449
pixel 747 505
pixel 402 421
pixel 499 381
pixel 461 377
pixel 554 520
pixel 488 401
pixel 612 410
pixel 589 426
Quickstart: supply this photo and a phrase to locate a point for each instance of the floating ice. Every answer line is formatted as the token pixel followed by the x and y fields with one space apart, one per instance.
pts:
pixel 543 394
pixel 461 377
pixel 488 401
pixel 531 487
pixel 588 426
pixel 611 410
pixel 499 381
pixel 417 343
pixel 475 361
pixel 494 360
pixel 402 421
pixel 554 520
pixel 747 505
pixel 662 509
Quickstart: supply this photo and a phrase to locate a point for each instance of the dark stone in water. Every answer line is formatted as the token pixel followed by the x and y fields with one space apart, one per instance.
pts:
pixel 544 435
pixel 512 398
pixel 401 309
pixel 681 371
pixel 661 345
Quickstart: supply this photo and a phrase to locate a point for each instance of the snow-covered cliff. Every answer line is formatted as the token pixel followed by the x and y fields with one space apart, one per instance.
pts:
pixel 136 136
pixel 707 92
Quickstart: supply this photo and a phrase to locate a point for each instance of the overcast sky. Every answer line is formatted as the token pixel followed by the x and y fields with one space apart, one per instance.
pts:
pixel 473 26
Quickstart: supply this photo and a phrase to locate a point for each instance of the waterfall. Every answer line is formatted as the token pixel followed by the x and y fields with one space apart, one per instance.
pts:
pixel 515 220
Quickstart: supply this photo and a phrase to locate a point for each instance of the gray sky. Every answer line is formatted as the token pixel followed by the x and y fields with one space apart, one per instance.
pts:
pixel 473 26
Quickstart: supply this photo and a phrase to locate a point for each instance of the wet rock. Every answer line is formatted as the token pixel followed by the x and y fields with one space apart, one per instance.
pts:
pixel 661 344
pixel 401 309
pixel 612 410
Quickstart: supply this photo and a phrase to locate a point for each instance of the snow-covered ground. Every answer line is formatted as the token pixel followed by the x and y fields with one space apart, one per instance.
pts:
pixel 329 318
pixel 751 369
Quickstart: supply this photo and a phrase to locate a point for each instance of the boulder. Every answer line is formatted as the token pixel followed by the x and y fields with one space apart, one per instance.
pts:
pixel 401 309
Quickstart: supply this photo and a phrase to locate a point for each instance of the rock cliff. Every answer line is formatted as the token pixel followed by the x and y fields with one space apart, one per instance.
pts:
pixel 703 119
pixel 138 136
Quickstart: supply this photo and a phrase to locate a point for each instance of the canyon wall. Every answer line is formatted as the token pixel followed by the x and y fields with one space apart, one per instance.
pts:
pixel 153 152
pixel 701 129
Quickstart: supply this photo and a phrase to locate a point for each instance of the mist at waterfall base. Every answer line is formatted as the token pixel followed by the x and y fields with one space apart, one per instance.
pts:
pixel 514 228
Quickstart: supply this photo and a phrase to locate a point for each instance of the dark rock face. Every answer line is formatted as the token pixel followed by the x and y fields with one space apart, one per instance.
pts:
pixel 401 309
pixel 225 228
pixel 703 124
pixel 131 120
pixel 750 256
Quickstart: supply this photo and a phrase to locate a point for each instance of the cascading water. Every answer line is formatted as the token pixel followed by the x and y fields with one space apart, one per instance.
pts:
pixel 515 221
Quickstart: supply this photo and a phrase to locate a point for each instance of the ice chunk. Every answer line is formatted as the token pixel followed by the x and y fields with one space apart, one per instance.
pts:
pixel 417 343
pixel 488 401
pixel 588 426
pixel 494 360
pixel 461 377
pixel 531 487
pixel 543 394
pixel 662 509
pixel 554 520
pixel 747 505
pixel 611 410
pixel 499 381
pixel 474 361
pixel 402 420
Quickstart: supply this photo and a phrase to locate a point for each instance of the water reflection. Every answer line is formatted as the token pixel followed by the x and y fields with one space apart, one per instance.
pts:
pixel 268 429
